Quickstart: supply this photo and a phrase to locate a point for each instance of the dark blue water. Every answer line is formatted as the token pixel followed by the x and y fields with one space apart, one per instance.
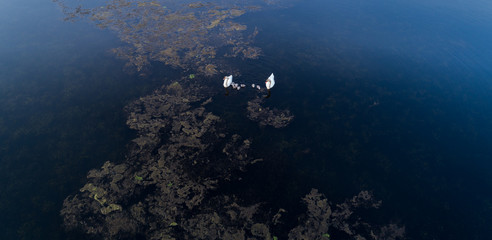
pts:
pixel 61 113
pixel 388 96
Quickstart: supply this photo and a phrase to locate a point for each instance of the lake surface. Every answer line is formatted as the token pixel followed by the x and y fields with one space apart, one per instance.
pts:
pixel 388 96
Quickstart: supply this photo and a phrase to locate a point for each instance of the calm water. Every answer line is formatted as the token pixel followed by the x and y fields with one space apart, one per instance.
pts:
pixel 389 96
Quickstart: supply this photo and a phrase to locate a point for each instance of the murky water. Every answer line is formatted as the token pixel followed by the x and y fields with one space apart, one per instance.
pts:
pixel 391 97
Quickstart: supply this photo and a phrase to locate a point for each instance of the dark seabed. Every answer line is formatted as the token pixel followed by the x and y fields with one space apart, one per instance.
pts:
pixel 392 97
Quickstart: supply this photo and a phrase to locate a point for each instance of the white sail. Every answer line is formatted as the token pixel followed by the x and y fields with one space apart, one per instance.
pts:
pixel 227 81
pixel 270 82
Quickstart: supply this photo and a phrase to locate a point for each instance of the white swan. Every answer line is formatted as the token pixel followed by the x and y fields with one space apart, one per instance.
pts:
pixel 227 81
pixel 270 82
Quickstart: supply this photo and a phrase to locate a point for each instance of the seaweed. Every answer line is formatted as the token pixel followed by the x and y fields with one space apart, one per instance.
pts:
pixel 322 217
pixel 266 116
pixel 165 188
pixel 186 35
pixel 161 178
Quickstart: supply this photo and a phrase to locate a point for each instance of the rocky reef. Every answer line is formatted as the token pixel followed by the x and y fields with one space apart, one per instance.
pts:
pixel 166 186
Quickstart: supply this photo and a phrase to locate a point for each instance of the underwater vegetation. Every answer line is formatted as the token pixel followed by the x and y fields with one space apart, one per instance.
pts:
pixel 164 189
pixel 188 35
pixel 266 116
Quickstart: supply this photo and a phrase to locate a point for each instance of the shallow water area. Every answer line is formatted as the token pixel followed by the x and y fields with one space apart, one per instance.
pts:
pixel 390 97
